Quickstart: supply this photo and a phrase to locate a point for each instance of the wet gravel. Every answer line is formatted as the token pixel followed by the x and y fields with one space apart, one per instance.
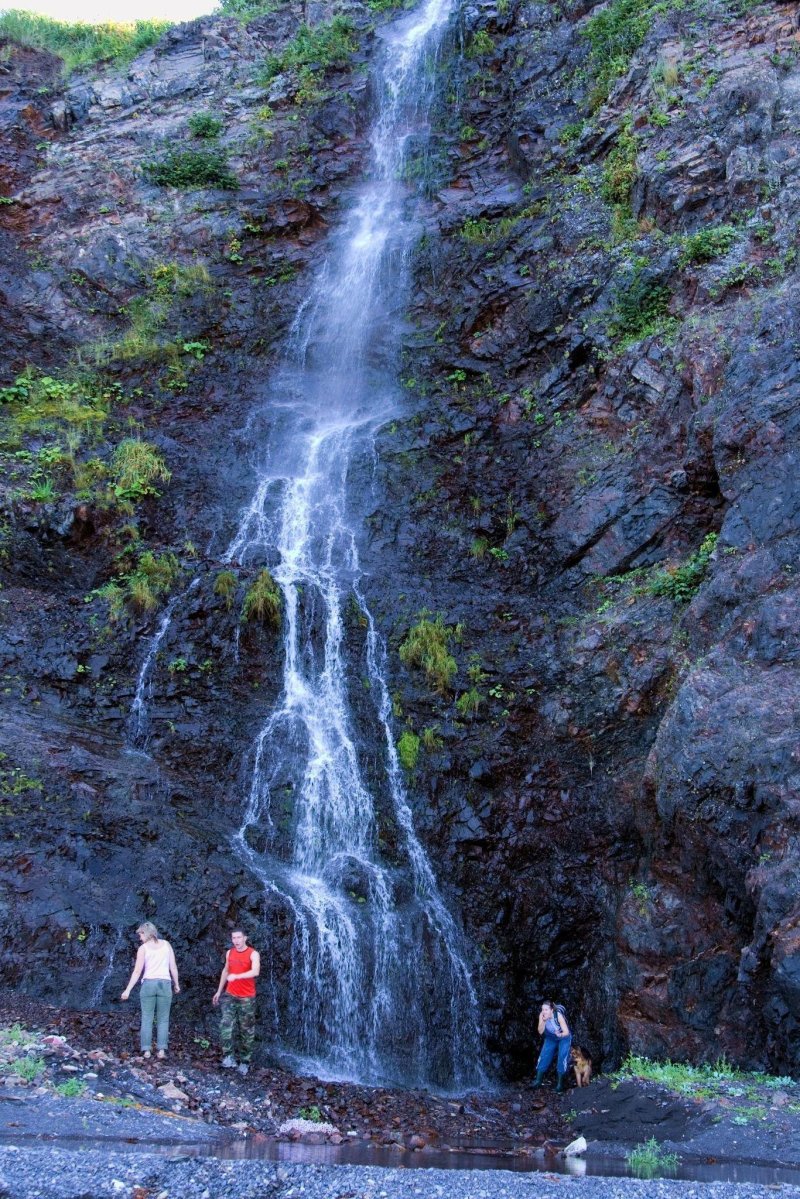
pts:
pixel 56 1174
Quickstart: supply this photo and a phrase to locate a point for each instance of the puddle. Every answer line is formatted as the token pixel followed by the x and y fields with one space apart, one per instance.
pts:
pixel 477 1157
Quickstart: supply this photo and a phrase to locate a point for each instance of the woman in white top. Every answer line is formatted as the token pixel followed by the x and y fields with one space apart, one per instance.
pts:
pixel 155 961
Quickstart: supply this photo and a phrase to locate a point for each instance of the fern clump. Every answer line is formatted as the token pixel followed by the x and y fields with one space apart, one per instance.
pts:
pixel 263 601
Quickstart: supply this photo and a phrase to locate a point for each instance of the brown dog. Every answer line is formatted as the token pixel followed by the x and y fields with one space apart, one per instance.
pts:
pixel 582 1065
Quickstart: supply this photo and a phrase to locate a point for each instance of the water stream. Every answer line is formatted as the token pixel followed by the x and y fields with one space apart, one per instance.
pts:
pixel 380 983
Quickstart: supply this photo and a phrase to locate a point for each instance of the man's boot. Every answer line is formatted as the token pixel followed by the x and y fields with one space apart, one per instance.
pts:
pixel 534 1086
pixel 562 1084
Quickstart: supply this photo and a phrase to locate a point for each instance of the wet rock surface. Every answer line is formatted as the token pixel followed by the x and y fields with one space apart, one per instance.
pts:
pixel 613 806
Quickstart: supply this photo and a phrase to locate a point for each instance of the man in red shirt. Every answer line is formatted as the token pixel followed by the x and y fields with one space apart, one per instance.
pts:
pixel 238 982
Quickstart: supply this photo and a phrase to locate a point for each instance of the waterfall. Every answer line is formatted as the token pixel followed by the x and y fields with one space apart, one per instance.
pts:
pixel 380 986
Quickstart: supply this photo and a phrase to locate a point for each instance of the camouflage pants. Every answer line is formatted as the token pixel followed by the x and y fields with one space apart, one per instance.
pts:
pixel 239 1013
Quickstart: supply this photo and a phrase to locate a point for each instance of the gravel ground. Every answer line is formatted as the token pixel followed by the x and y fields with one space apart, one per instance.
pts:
pixel 56 1174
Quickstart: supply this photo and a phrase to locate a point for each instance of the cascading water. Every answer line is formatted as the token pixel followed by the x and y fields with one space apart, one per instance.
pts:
pixel 380 987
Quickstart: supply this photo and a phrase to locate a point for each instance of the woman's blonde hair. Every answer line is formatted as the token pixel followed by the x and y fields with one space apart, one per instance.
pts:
pixel 150 931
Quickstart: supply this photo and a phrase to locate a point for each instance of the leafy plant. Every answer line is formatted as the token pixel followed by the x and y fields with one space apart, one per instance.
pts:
pixel 649 1159
pixel 480 44
pixel 640 306
pixel 426 647
pixel 408 749
pixel 205 125
pixel 707 244
pixel 614 34
pixel 680 583
pixel 430 737
pixel 642 897
pixel 263 601
pixel 192 168
pixel 311 1113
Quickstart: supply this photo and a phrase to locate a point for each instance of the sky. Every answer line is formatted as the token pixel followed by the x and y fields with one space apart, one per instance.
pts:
pixel 114 10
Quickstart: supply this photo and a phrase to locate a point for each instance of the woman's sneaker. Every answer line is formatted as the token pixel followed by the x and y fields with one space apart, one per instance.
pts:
pixel 228 1063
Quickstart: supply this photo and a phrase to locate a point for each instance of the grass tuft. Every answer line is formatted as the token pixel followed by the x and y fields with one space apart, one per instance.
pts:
pixel 426 647
pixel 78 43
pixel 263 601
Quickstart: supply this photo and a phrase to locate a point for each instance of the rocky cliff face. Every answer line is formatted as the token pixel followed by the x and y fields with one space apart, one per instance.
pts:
pixel 596 488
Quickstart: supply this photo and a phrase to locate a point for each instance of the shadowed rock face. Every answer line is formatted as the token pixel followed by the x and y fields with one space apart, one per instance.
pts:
pixel 590 395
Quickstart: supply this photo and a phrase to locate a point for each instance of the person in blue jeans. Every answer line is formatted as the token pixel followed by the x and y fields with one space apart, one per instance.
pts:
pixel 557 1041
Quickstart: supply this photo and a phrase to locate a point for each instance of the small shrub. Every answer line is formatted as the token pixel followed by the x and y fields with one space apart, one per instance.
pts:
pixel 225 587
pixel 311 1113
pixel 327 45
pixel 681 583
pixel 640 307
pixel 408 749
pixel 205 125
pixel 426 647
pixel 192 168
pixel 136 466
pixel 649 1159
pixel 263 601
pixel 708 244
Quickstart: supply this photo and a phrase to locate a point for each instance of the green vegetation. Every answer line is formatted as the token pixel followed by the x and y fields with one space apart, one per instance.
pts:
pixel 708 244
pixel 77 43
pixel 426 647
pixel 143 588
pixel 327 45
pixel 262 601
pixel 192 168
pixel 205 125
pixel 41 404
pixel 136 467
pixel 480 44
pixel 482 229
pixel 430 737
pixel 642 898
pixel 152 579
pixel 29 1068
pixel 247 10
pixel 468 702
pixel 677 1076
pixel 73 1088
pixel 408 749
pixel 641 306
pixel 225 586
pixel 620 167
pixel 311 1113
pixel 146 337
pixel 681 583
pixel 649 1160
pixel 614 34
